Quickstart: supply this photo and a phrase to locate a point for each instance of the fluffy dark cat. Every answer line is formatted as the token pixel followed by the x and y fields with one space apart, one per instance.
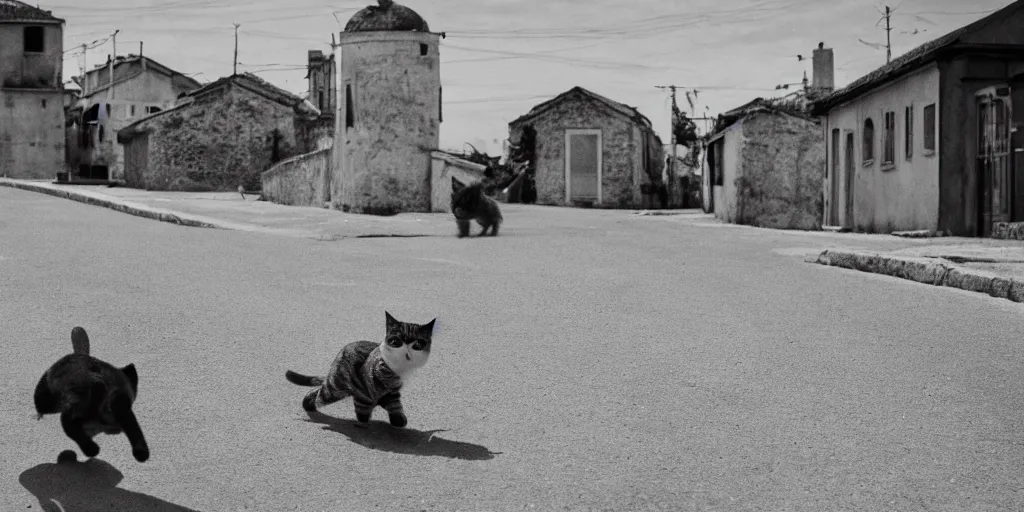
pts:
pixel 92 397
pixel 372 373
pixel 470 203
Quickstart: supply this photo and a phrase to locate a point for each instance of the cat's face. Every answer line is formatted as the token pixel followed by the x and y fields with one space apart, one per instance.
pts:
pixel 406 346
pixel 463 199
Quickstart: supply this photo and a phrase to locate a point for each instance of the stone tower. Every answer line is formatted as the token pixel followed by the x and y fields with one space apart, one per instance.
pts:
pixel 388 112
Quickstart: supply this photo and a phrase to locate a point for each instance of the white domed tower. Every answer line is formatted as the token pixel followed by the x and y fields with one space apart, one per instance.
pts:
pixel 389 112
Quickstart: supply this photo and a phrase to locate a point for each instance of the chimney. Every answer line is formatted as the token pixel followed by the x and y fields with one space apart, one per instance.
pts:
pixel 823 69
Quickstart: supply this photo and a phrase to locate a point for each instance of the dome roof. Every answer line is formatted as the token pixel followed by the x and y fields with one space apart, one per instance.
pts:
pixel 386 16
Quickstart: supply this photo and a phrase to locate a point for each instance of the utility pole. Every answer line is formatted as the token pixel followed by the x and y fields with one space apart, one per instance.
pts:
pixel 85 70
pixel 672 125
pixel 110 88
pixel 235 69
pixel 888 30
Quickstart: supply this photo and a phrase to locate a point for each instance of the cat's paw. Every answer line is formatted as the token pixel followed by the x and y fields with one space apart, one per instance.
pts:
pixel 398 420
pixel 363 418
pixel 141 453
pixel 90 448
pixel 309 403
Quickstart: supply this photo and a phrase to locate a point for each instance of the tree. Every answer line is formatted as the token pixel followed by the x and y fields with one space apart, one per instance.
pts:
pixel 683 128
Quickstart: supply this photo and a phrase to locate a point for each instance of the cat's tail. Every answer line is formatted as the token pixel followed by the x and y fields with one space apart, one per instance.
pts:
pixel 303 380
pixel 80 341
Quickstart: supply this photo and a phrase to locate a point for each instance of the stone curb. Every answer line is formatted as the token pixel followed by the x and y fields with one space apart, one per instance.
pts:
pixel 933 271
pixel 124 207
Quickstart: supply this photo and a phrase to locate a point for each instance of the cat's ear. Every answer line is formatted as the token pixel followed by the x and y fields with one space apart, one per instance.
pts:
pixel 428 328
pixel 132 374
pixel 389 320
pixel 457 185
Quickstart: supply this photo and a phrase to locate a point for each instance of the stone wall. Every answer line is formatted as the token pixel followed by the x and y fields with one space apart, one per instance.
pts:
pixel 218 142
pixel 314 134
pixel 622 153
pixel 442 168
pixel 302 180
pixel 32 138
pixel 780 172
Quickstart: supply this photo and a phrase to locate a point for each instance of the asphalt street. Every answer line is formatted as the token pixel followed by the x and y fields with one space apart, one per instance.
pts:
pixel 611 362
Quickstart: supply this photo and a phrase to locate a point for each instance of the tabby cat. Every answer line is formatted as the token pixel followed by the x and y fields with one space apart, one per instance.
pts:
pixel 470 203
pixel 371 373
pixel 92 397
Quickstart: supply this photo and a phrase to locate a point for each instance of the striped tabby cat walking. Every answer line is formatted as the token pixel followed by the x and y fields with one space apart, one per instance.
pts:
pixel 92 397
pixel 371 373
pixel 470 203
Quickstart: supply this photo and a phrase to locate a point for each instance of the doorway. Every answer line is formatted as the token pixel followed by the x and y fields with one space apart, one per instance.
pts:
pixel 583 165
pixel 993 156
pixel 849 173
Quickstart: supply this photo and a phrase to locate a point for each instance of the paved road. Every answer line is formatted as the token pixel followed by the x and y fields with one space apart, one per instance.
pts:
pixel 615 362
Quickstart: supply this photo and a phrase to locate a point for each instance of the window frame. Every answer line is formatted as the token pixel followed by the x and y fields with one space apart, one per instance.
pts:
pixel 867 142
pixel 929 129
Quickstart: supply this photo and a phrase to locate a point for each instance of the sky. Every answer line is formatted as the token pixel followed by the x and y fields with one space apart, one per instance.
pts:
pixel 502 57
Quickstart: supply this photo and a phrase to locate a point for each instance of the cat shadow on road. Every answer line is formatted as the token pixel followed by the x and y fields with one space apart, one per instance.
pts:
pixel 73 486
pixel 380 435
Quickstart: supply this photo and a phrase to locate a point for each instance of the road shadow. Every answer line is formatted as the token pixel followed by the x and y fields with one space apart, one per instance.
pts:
pixel 379 435
pixel 73 486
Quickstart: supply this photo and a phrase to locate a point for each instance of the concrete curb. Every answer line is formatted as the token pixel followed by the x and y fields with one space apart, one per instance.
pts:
pixel 121 206
pixel 933 271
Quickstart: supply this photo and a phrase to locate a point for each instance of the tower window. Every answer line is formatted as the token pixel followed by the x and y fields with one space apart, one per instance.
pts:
pixel 34 40
pixel 423 49
pixel 350 117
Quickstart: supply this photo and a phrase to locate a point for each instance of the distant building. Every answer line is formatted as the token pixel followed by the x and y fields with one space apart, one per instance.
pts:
pixel 323 94
pixel 930 140
pixel 591 150
pixel 32 142
pixel 217 137
pixel 141 87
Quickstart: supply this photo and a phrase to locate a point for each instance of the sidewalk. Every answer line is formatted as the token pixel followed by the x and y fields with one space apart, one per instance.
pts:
pixel 992 267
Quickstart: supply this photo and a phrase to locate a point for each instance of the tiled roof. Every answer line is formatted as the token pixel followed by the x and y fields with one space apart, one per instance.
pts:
pixel 788 105
pixel 13 10
pixel 621 108
pixel 909 61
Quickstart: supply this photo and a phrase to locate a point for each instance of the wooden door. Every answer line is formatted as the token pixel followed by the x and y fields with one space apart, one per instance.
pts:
pixel 850 172
pixel 583 165
pixel 833 170
pixel 993 159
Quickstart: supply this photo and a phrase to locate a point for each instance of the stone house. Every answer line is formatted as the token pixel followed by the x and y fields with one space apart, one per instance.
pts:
pixel 217 137
pixel 929 142
pixel 590 150
pixel 141 86
pixel 764 167
pixel 31 92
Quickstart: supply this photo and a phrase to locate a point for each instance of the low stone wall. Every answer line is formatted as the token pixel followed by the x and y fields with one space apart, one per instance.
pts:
pixel 302 180
pixel 1008 230
pixel 442 168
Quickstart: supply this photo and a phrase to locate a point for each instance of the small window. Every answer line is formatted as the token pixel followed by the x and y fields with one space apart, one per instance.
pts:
pixel 889 139
pixel 929 127
pixel 908 132
pixel 101 130
pixel 423 49
pixel 131 110
pixel 153 109
pixel 320 99
pixel 34 40
pixel 350 115
pixel 835 153
pixel 868 142
pixel 44 103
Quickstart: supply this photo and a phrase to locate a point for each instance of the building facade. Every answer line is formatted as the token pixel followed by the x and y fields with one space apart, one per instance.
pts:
pixel 928 142
pixel 590 150
pixel 32 144
pixel 217 138
pixel 141 86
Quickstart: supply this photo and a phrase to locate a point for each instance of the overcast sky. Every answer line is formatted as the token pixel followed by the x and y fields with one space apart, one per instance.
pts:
pixel 501 57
